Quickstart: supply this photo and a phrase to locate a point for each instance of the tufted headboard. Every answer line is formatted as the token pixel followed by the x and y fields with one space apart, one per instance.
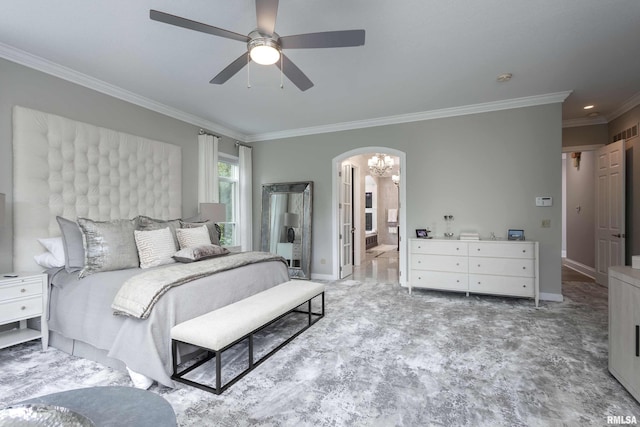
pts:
pixel 74 169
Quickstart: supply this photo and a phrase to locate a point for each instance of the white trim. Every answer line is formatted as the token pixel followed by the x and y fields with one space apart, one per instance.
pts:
pixel 573 149
pixel 316 276
pixel 584 121
pixel 335 192
pixel 563 254
pixel 37 63
pixel 580 268
pixel 545 296
pixel 507 104
pixel 628 105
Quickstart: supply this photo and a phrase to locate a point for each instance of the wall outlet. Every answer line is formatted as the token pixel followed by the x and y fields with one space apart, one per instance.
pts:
pixel 323 261
pixel 546 223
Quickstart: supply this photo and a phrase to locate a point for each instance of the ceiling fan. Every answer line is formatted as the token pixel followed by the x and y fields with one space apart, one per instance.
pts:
pixel 264 45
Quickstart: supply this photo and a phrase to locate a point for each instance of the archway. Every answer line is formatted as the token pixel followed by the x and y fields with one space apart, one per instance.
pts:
pixel 335 201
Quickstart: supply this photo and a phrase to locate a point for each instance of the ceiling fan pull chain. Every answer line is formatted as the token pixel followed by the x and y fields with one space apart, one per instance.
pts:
pixel 281 73
pixel 248 71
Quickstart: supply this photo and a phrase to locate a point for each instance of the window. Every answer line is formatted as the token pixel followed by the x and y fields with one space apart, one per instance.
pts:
pixel 228 194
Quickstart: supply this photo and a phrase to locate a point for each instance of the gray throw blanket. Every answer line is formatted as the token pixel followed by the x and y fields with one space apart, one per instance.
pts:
pixel 138 294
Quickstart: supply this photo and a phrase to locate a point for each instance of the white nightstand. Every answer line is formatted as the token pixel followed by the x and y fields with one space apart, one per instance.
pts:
pixel 21 298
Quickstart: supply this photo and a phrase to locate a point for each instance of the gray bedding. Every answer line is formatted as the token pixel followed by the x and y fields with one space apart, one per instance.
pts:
pixel 80 309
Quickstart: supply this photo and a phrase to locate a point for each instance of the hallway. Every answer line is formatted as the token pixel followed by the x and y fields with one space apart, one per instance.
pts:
pixel 380 265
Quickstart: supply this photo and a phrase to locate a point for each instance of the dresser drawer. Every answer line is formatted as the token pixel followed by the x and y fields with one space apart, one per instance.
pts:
pixel 502 250
pixel 19 290
pixel 439 247
pixel 500 285
pixel 452 264
pixel 439 280
pixel 20 309
pixel 502 266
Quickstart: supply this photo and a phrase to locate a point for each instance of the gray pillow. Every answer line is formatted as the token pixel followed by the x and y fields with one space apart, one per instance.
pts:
pixel 146 223
pixel 211 226
pixel 109 245
pixel 197 253
pixel 73 245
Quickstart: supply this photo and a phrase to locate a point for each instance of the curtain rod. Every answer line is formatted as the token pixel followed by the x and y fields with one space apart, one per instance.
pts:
pixel 202 132
pixel 238 144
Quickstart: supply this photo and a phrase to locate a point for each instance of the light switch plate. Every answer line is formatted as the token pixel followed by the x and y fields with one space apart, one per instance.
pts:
pixel 544 201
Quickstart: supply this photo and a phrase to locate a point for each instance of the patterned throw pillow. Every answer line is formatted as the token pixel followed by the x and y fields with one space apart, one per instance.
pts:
pixel 197 253
pixel 155 247
pixel 109 245
pixel 189 237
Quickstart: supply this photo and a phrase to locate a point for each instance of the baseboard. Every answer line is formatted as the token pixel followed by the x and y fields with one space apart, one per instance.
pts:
pixel 546 296
pixel 317 276
pixel 580 268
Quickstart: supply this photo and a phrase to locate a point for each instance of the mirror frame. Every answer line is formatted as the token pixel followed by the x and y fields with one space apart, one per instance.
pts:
pixel 306 189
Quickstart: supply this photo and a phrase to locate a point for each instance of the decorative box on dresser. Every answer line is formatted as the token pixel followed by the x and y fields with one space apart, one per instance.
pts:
pixel 486 267
pixel 21 298
pixel 624 327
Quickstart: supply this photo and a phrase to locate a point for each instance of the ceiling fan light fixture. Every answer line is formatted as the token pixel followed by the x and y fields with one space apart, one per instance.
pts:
pixel 264 51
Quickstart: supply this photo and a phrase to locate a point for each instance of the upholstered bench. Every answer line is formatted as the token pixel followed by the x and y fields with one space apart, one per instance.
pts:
pixel 227 326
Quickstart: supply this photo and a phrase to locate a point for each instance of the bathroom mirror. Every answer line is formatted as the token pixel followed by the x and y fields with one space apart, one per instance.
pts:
pixel 286 224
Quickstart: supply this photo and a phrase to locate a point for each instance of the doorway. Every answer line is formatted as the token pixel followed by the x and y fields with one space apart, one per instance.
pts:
pixel 386 223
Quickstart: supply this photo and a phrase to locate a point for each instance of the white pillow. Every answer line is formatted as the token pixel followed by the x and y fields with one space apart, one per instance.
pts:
pixel 55 245
pixel 190 237
pixel 155 247
pixel 48 260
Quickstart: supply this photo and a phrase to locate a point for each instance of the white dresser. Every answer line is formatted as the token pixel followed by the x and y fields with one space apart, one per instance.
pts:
pixel 21 298
pixel 486 267
pixel 624 327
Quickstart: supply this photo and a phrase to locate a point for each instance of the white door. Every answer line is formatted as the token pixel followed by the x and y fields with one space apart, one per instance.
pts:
pixel 346 221
pixel 610 205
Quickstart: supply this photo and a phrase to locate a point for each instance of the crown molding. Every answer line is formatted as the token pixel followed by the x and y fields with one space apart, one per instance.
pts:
pixel 584 121
pixel 507 104
pixel 37 63
pixel 632 102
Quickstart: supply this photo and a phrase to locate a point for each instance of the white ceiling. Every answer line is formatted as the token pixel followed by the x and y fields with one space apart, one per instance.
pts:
pixel 420 57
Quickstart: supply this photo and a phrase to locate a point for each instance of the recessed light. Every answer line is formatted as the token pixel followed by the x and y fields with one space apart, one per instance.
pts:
pixel 588 107
pixel 505 77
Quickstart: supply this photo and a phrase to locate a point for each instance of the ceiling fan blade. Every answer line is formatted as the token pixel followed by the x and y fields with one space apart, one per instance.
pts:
pixel 156 15
pixel 294 74
pixel 231 69
pixel 346 38
pixel 266 12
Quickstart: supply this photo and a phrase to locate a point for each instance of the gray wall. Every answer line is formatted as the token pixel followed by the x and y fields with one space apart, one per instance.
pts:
pixel 23 86
pixel 580 224
pixel 584 135
pixel 485 169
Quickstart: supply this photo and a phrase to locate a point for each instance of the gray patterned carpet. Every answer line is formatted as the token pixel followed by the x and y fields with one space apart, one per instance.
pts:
pixel 382 357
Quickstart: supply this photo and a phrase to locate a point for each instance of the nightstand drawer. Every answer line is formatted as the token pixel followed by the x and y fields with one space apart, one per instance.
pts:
pixel 19 290
pixel 20 309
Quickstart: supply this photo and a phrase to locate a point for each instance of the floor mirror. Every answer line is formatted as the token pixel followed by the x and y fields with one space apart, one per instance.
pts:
pixel 286 224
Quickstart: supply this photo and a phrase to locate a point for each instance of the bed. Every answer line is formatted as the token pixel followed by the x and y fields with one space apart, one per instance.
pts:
pixel 71 169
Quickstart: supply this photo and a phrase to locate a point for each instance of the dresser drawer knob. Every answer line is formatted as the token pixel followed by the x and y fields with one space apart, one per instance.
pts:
pixel 524 286
pixel 457 263
pixel 478 249
pixel 23 307
pixel 478 265
pixel 524 251
pixel 457 249
pixel 479 283
pixel 524 268
pixel 23 290
pixel 458 281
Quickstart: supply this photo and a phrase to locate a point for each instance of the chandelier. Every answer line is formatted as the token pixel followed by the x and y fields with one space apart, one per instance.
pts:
pixel 380 164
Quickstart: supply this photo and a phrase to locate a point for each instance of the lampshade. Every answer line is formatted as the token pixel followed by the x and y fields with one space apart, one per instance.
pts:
pixel 2 208
pixel 215 212
pixel 291 219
